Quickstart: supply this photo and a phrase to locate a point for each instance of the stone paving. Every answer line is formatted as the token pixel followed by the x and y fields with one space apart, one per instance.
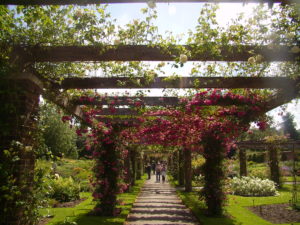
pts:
pixel 158 203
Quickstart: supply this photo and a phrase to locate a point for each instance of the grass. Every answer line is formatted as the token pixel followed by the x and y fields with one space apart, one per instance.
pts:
pixel 236 209
pixel 290 178
pixel 79 215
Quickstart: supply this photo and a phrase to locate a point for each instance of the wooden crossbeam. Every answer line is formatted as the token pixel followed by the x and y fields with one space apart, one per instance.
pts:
pixel 182 82
pixel 85 2
pixel 118 111
pixel 150 101
pixel 290 144
pixel 281 98
pixel 117 120
pixel 147 53
pixel 65 104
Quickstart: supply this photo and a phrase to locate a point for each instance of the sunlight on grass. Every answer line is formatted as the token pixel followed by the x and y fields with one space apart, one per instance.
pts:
pixel 79 215
pixel 236 208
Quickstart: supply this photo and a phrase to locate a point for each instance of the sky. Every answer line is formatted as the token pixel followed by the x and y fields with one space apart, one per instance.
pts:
pixel 180 18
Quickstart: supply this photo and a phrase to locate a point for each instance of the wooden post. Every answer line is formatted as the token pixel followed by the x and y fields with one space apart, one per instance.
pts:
pixel 174 166
pixel 213 176
pixel 18 113
pixel 188 169
pixel 274 165
pixel 108 179
pixel 133 165
pixel 139 169
pixel 181 167
pixel 127 168
pixel 243 162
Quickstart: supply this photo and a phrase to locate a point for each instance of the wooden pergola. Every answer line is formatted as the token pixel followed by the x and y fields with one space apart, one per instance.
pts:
pixel 286 88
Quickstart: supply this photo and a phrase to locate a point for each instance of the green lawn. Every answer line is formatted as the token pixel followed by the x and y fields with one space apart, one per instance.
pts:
pixel 236 208
pixel 78 214
pixel 290 179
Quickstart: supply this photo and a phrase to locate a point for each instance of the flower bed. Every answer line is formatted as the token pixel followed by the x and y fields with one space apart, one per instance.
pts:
pixel 253 186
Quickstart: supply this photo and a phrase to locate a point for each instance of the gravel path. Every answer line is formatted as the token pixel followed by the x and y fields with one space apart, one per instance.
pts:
pixel 158 203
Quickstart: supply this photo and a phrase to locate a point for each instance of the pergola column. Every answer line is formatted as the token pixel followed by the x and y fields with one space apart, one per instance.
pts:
pixel 133 160
pixel 274 164
pixel 213 176
pixel 243 162
pixel 187 169
pixel 127 169
pixel 18 112
pixel 107 173
pixel 180 167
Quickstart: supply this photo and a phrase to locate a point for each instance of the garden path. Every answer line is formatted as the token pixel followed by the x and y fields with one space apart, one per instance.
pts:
pixel 158 203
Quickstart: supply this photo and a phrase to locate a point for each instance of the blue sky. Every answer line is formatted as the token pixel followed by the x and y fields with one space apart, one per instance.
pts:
pixel 179 18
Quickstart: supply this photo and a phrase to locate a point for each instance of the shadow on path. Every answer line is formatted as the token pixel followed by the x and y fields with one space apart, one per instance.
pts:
pixel 158 203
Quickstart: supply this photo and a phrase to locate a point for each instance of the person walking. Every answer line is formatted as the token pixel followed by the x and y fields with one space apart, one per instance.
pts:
pixel 153 167
pixel 163 173
pixel 158 170
pixel 148 170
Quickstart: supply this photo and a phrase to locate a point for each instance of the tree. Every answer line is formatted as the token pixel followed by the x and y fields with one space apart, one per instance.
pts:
pixel 57 137
pixel 289 126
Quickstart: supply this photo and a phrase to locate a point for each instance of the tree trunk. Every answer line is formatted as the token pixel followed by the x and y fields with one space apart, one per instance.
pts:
pixel 243 162
pixel 181 168
pixel 188 170
pixel 18 112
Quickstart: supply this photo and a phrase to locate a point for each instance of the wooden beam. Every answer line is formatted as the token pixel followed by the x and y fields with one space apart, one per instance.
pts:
pixel 281 98
pixel 85 2
pixel 150 101
pixel 65 104
pixel 118 111
pixel 182 82
pixel 117 120
pixel 147 53
pixel 264 145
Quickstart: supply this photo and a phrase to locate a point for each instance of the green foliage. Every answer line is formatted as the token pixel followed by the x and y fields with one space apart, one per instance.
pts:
pixel 56 136
pixel 79 213
pixel 289 127
pixel 258 170
pixel 237 213
pixel 63 189
pixel 197 163
pixel 14 191
pixel 79 170
pixel 258 157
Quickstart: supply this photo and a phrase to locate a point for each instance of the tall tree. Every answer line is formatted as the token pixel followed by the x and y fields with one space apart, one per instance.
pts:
pixel 57 137
pixel 289 126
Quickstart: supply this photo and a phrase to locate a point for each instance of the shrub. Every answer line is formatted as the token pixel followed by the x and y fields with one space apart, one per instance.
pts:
pixel 260 172
pixel 64 189
pixel 253 186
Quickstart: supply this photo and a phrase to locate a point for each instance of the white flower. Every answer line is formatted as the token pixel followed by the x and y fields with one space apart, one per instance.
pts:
pixel 259 58
pixel 79 13
pixel 56 176
pixel 28 148
pixel 183 58
pixel 135 22
pixel 117 42
pixel 251 60
pixel 290 35
pixel 151 4
pixel 295 49
pixel 273 36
